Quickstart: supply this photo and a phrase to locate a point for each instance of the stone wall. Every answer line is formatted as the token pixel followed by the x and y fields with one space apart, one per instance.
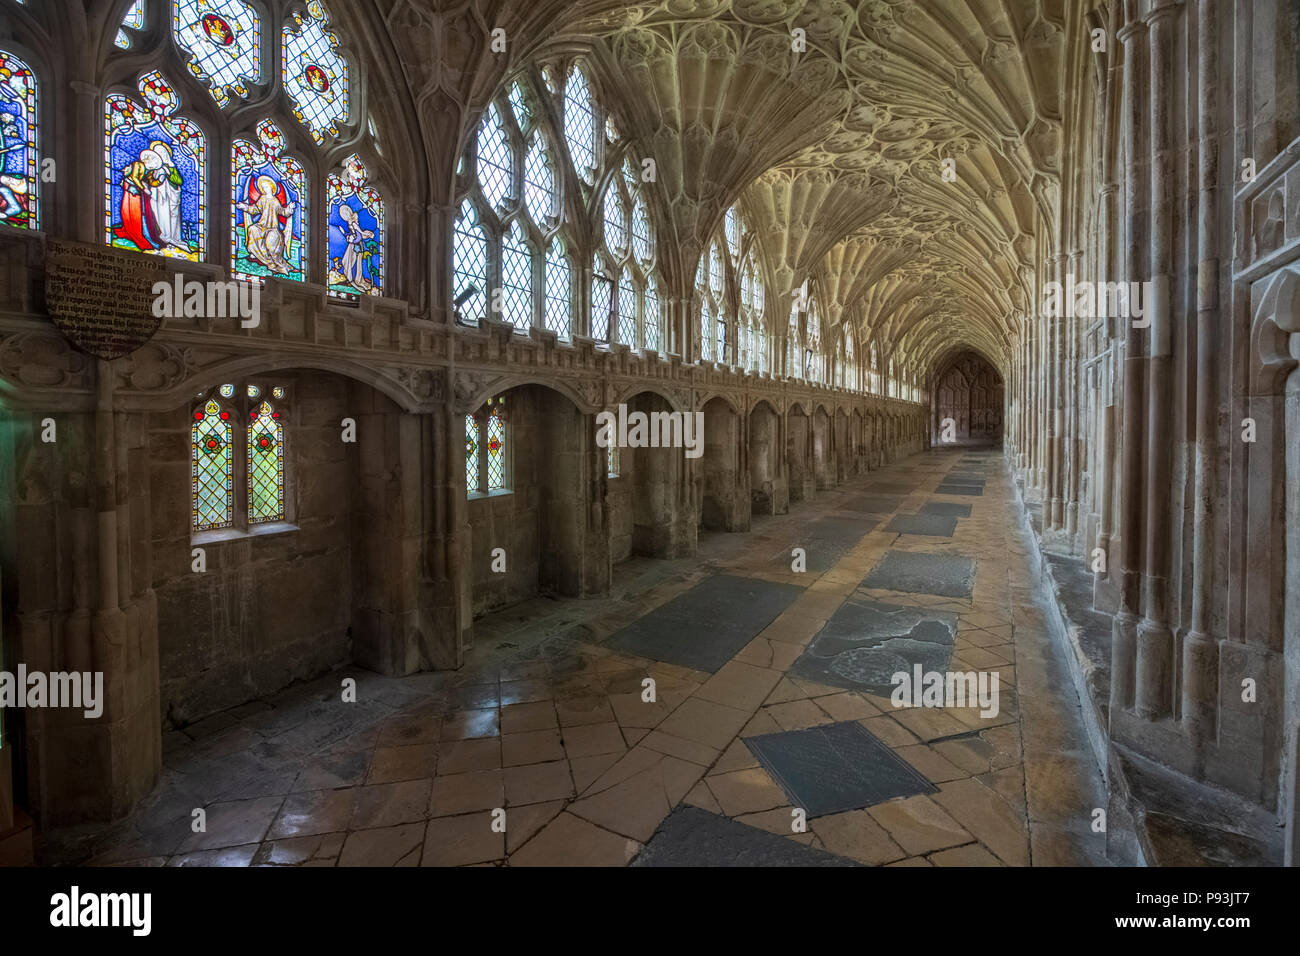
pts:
pixel 273 606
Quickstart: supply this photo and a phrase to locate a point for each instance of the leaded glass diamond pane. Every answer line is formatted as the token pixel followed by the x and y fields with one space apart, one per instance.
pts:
pixel 519 104
pixel 494 163
pixel 579 125
pixel 212 469
pixel 709 330
pixel 615 220
pixel 517 278
pixel 651 324
pixel 265 465
pixel 601 294
pixel 627 309
pixel 469 264
pixel 539 183
pixel 471 453
pixel 642 241
pixel 558 290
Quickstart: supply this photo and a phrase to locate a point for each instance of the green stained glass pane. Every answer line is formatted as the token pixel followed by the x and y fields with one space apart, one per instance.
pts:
pixel 265 465
pixel 212 471
pixel 471 453
pixel 496 449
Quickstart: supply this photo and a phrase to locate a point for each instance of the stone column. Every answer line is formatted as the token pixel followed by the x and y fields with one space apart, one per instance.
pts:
pixel 1073 440
pixel 1055 400
pixel 1155 665
pixel 1124 633
pixel 1200 662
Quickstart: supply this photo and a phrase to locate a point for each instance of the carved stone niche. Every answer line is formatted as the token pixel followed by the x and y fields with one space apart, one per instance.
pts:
pixel 424 384
pixel 154 367
pixel 42 360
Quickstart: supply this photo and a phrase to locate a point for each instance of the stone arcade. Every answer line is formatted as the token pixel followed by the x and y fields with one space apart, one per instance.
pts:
pixel 826 230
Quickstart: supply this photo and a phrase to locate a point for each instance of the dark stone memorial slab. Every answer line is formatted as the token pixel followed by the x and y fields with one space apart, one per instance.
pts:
pixel 939 526
pixel 836 767
pixel 704 627
pixel 690 836
pixel 948 575
pixel 974 491
pixel 873 504
pixel 866 642
pixel 956 508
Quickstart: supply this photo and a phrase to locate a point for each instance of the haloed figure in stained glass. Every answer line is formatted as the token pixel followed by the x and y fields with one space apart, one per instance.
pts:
pixel 265 213
pixel 268 216
pixel 356 232
pixel 17 143
pixel 155 172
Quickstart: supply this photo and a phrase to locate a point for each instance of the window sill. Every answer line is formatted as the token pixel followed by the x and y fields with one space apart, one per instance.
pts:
pixel 238 534
pixel 480 495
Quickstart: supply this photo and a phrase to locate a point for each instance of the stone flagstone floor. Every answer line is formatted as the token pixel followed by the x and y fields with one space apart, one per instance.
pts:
pixel 548 723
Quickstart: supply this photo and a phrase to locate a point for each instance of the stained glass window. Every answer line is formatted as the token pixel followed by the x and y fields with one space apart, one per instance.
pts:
pixel 471 453
pixel 155 174
pixel 517 278
pixel 496 447
pixel 315 74
pixel 269 195
pixel 580 124
pixel 715 269
pixel 19 141
pixel 611 460
pixel 627 310
pixel 494 159
pixel 265 465
pixel 224 41
pixel 355 232
pixel 134 20
pixel 212 468
pixel 558 289
pixel 602 291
